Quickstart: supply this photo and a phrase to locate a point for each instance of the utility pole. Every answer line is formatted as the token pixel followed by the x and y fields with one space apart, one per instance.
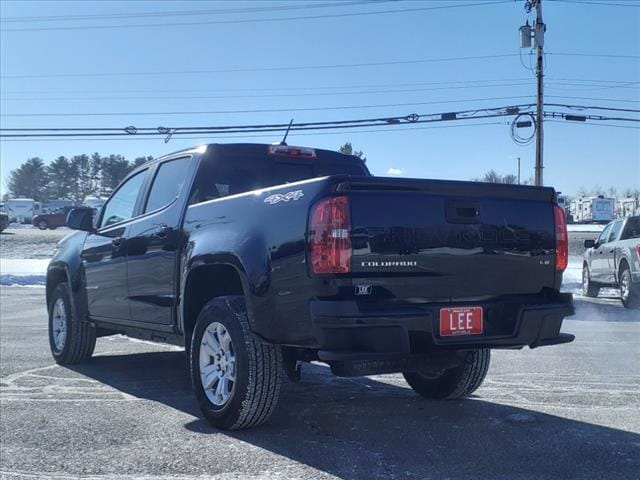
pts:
pixel 518 170
pixel 537 32
pixel 539 38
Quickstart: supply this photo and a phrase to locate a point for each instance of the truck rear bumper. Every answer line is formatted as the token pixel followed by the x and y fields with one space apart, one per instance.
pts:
pixel 349 330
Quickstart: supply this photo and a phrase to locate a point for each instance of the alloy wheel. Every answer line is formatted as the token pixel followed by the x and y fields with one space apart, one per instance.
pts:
pixel 59 324
pixel 217 364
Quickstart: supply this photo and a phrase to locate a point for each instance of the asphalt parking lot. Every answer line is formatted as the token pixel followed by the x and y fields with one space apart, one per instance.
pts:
pixel 569 411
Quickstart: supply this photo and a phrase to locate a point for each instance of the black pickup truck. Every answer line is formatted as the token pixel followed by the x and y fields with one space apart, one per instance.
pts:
pixel 257 258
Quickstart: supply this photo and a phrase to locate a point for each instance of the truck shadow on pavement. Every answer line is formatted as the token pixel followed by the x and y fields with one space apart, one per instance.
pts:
pixel 369 428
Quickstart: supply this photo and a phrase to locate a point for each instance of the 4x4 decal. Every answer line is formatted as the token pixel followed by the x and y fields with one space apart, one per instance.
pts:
pixel 283 197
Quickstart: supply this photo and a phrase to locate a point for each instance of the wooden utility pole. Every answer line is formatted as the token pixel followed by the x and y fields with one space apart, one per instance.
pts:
pixel 540 28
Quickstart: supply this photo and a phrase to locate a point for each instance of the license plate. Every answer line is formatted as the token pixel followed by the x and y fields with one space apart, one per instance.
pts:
pixel 460 321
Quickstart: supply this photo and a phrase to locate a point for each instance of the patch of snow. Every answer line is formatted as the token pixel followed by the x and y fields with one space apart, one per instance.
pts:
pixel 572 280
pixel 22 271
pixel 585 228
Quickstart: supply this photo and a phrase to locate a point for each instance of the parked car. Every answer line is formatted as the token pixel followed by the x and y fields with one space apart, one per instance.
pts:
pixel 613 260
pixel 4 221
pixel 52 220
pixel 257 258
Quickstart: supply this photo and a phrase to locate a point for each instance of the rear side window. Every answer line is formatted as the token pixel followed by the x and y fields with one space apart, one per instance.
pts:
pixel 228 177
pixel 632 229
pixel 233 173
pixel 291 172
pixel 615 230
pixel 167 183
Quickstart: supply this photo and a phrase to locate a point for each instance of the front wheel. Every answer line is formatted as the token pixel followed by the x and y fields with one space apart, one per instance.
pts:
pixel 70 339
pixel 42 225
pixel 629 291
pixel 589 289
pixel 456 382
pixel 236 376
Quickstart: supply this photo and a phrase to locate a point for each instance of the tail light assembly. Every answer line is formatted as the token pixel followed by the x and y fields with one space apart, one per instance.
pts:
pixel 562 238
pixel 330 236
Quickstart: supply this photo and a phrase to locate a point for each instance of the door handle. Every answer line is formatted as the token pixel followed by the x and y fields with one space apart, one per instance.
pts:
pixel 162 231
pixel 117 242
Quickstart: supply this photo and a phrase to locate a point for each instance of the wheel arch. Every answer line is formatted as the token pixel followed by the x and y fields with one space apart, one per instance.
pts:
pixel 624 263
pixel 56 274
pixel 204 282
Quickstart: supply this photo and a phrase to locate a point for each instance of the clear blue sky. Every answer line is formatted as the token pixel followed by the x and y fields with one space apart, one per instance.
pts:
pixel 576 154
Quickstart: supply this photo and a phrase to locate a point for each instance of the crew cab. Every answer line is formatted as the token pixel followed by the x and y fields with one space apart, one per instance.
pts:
pixel 257 258
pixel 613 260
pixel 51 220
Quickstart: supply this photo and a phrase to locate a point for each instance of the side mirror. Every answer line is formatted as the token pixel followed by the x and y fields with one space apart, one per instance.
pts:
pixel 589 243
pixel 81 219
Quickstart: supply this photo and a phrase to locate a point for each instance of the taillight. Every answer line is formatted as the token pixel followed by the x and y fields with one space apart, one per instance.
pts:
pixel 562 238
pixel 330 236
pixel 638 250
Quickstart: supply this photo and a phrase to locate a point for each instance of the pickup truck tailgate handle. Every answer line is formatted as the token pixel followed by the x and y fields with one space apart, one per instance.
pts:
pixel 463 212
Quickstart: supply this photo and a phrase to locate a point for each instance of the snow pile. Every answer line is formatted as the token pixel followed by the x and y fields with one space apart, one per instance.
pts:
pixel 21 271
pixel 572 277
pixel 585 228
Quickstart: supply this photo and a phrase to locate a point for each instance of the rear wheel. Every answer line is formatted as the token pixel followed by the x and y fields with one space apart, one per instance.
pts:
pixel 629 291
pixel 456 382
pixel 236 376
pixel 589 289
pixel 71 340
pixel 43 225
pixel 52 227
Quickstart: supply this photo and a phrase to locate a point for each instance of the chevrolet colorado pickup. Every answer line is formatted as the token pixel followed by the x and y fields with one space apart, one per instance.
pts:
pixel 613 260
pixel 257 258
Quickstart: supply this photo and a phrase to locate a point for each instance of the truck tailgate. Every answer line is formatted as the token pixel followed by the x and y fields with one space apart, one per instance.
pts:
pixel 426 240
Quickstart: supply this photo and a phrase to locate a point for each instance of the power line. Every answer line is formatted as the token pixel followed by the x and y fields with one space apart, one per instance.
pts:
pixel 327 87
pixel 584 118
pixel 592 107
pixel 267 110
pixel 181 13
pixel 256 20
pixel 297 109
pixel 303 67
pixel 263 69
pixel 613 125
pixel 607 4
pixel 483 113
pixel 486 112
pixel 616 100
pixel 314 94
pixel 382 130
pixel 307 94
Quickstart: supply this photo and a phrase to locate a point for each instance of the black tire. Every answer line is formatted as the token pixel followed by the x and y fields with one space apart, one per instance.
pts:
pixel 52 227
pixel 589 289
pixel 629 291
pixel 456 382
pixel 43 225
pixel 80 338
pixel 258 368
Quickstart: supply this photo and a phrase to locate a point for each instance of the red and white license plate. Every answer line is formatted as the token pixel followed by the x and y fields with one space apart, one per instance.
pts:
pixel 461 321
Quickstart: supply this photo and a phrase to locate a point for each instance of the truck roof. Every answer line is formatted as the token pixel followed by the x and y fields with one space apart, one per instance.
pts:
pixel 256 149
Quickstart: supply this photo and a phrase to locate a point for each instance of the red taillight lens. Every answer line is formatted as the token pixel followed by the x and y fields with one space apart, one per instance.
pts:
pixel 330 236
pixel 638 250
pixel 562 238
